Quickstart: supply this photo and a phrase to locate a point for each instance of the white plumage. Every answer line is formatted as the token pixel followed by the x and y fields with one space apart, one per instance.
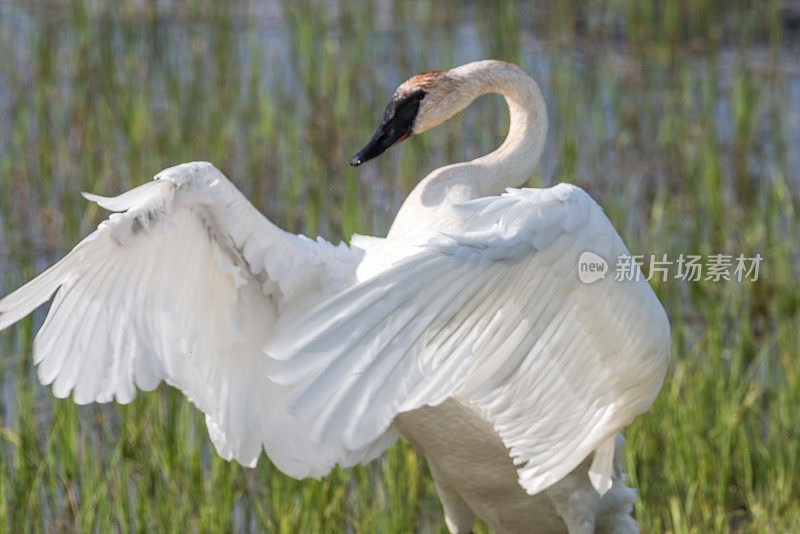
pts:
pixel 466 329
pixel 494 314
pixel 185 286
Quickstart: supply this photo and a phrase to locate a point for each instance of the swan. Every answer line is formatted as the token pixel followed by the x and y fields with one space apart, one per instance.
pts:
pixel 466 329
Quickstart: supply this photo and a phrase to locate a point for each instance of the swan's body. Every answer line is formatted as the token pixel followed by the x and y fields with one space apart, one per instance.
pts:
pixel 476 477
pixel 466 329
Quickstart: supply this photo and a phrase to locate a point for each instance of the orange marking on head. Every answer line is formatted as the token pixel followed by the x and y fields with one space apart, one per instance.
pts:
pixel 420 81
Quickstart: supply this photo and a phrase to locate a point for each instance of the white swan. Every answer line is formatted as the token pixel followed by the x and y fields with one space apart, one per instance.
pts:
pixel 466 329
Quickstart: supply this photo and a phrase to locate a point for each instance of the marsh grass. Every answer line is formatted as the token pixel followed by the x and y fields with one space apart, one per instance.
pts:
pixel 681 119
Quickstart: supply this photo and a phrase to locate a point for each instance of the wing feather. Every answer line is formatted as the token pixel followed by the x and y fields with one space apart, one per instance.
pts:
pixel 494 314
pixel 183 285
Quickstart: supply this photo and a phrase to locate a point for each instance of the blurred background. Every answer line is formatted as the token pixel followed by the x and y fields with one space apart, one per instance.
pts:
pixel 682 119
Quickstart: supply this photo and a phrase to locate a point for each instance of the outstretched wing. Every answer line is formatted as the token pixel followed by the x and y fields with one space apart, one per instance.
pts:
pixel 185 284
pixel 496 315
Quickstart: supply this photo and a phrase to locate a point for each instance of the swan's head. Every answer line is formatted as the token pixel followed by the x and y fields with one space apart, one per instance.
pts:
pixel 419 104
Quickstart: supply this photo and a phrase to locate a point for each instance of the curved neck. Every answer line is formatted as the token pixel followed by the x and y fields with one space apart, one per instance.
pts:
pixel 515 160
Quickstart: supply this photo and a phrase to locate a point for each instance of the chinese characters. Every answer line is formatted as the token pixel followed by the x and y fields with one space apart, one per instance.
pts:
pixel 688 267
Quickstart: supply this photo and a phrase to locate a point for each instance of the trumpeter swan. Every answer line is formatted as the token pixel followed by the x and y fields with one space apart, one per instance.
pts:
pixel 466 329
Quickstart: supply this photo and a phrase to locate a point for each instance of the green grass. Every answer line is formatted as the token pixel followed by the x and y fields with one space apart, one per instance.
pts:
pixel 680 119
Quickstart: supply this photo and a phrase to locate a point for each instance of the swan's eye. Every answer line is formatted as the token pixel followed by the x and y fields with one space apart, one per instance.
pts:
pixel 406 110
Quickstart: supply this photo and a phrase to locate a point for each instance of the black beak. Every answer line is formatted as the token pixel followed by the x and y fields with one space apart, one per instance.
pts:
pixel 397 123
pixel 386 136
